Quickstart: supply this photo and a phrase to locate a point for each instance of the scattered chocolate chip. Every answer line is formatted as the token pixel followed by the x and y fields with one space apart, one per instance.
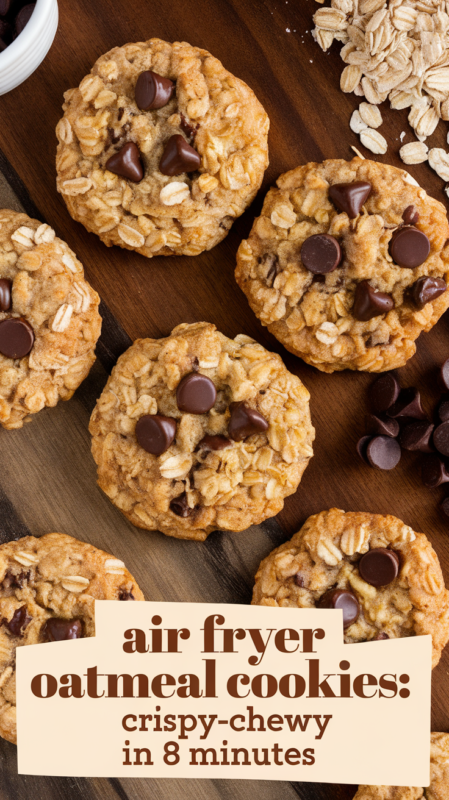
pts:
pixel 384 392
pixel 5 294
pixel 424 290
pixel 19 621
pixel 416 436
pixel 361 446
pixel 23 18
pixel 16 337
pixel 321 253
pixel 445 506
pixel 381 425
pixel 441 438
pixel 180 507
pixel 59 630
pixel 408 404
pixel 209 443
pixel 245 421
pixel 379 566
pixel 299 580
pixel 347 601
pixel 433 471
pixel 178 157
pixel 380 637
pixel 155 433
pixel 410 215
pixel 187 128
pixel 444 374
pixel 369 303
pixel 126 163
pixel 124 594
pixel 350 197
pixel 196 394
pixel 383 452
pixel 153 91
pixel 409 247
pixel 443 410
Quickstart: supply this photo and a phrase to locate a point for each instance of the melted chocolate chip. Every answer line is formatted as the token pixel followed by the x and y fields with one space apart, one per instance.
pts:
pixel 383 452
pixel 59 630
pixel 12 581
pixel 153 91
pixel 155 433
pixel 180 507
pixel 189 129
pixel 433 471
pixel 384 392
pixel 5 294
pixel 321 253
pixel 425 290
pixel 196 394
pixel 19 621
pixel 245 421
pixel 350 197
pixel 347 601
pixel 409 247
pixel 416 436
pixel 124 594
pixel 410 215
pixel 126 163
pixel 369 303
pixel 178 157
pixel 16 337
pixel 379 566
pixel 381 425
pixel 271 262
pixel 209 443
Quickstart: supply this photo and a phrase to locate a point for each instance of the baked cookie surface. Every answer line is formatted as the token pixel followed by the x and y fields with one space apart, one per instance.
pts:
pixel 188 142
pixel 385 577
pixel 439 778
pixel 49 320
pixel 198 432
pixel 336 265
pixel 48 588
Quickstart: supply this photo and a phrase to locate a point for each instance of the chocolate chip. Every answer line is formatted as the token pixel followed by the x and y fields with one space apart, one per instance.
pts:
pixel 245 421
pixel 155 433
pixel 16 337
pixel 383 452
pixel 444 374
pixel 347 601
pixel 369 303
pixel 441 438
pixel 350 197
pixel 443 410
pixel 126 163
pixel 196 394
pixel 209 443
pixel 381 636
pixel 153 91
pixel 59 630
pixel 5 31
pixel 424 290
pixel 4 7
pixel 189 129
pixel 410 215
pixel 299 580
pixel 416 436
pixel 381 426
pixel 409 247
pixel 379 566
pixel 361 446
pixel 321 253
pixel 433 471
pixel 23 18
pixel 408 404
pixel 124 594
pixel 19 621
pixel 178 157
pixel 445 506
pixel 5 294
pixel 384 392
pixel 180 506
pixel 14 581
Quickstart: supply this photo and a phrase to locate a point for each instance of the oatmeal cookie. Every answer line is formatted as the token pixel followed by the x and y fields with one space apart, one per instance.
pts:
pixel 439 778
pixel 198 432
pixel 49 320
pixel 160 149
pixel 48 588
pixel 347 264
pixel 385 577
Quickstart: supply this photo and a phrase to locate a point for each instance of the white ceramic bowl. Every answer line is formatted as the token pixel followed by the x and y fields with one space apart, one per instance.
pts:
pixel 25 54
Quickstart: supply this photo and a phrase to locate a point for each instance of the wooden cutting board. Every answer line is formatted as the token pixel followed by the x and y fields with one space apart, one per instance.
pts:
pixel 47 476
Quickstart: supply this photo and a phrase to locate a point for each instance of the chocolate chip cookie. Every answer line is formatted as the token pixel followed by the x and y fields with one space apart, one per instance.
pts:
pixel 49 320
pixel 160 149
pixel 385 577
pixel 347 264
pixel 439 778
pixel 198 432
pixel 48 588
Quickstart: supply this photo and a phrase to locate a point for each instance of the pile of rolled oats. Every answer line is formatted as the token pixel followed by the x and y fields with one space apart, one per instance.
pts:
pixel 397 50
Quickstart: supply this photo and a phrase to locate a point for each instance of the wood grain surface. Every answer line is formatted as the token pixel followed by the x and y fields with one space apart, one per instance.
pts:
pixel 47 476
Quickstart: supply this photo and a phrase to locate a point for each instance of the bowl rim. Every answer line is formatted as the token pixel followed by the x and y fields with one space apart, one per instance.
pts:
pixel 25 39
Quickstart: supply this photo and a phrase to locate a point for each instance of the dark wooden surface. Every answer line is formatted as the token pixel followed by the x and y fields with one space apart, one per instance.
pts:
pixel 47 476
